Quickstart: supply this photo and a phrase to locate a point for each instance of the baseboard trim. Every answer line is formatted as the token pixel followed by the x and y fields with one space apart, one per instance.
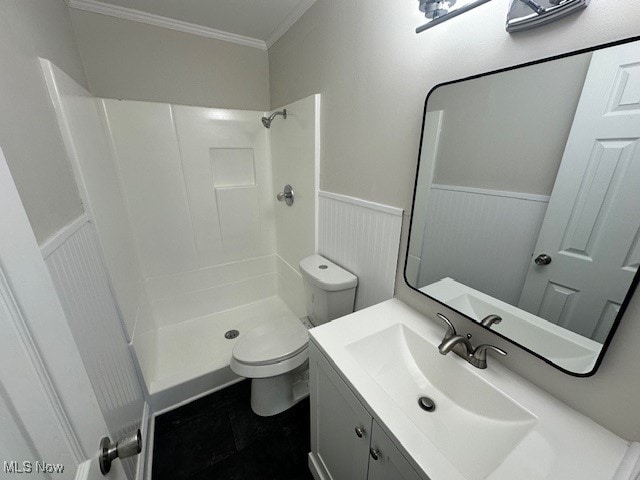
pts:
pixel 316 469
pixel 147 439
pixel 84 470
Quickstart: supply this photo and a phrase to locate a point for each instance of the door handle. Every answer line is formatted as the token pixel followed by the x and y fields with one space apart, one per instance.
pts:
pixel 123 448
pixel 360 432
pixel 286 195
pixel 375 453
pixel 543 259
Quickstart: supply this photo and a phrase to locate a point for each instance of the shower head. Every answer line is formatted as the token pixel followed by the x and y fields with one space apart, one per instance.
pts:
pixel 267 121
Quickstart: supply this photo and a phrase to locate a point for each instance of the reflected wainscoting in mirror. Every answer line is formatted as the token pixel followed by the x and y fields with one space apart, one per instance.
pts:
pixel 527 201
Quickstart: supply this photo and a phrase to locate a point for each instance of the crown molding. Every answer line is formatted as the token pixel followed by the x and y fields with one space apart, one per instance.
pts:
pixel 96 6
pixel 288 22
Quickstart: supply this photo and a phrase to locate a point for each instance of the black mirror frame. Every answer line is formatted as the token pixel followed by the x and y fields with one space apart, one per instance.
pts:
pixel 636 278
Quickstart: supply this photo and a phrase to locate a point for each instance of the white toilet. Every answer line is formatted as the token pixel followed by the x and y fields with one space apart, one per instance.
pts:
pixel 274 355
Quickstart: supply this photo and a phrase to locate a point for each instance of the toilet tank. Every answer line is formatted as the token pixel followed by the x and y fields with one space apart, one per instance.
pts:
pixel 330 290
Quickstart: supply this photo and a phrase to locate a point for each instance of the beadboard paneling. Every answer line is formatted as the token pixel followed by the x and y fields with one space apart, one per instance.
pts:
pixel 81 281
pixel 481 238
pixel 364 238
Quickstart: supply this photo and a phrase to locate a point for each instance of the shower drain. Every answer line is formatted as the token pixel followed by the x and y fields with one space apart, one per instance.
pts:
pixel 231 334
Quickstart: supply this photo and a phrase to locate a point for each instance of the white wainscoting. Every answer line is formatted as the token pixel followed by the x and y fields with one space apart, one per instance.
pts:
pixel 81 281
pixel 482 238
pixel 364 238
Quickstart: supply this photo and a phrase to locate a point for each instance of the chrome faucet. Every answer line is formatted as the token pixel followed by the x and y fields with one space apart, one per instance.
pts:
pixel 475 356
pixel 490 320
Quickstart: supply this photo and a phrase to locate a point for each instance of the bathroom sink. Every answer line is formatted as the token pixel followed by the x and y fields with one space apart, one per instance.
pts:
pixel 487 424
pixel 474 425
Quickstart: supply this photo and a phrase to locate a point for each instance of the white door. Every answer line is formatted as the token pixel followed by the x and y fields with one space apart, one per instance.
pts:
pixel 592 226
pixel 50 421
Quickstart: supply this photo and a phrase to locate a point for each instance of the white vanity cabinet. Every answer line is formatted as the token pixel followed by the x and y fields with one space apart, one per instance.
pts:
pixel 390 464
pixel 346 442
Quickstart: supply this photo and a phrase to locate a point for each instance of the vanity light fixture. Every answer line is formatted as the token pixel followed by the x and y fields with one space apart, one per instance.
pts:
pixel 438 11
pixel 526 14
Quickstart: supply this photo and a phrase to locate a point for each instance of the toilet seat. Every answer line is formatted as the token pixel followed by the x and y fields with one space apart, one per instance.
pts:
pixel 276 346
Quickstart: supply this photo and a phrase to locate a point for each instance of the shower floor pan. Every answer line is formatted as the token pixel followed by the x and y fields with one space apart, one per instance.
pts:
pixel 190 359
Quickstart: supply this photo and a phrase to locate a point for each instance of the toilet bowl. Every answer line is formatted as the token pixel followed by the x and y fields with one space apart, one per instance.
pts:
pixel 271 355
pixel 274 355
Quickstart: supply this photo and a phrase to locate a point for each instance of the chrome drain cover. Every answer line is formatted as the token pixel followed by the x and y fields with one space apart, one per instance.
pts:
pixel 427 404
pixel 231 334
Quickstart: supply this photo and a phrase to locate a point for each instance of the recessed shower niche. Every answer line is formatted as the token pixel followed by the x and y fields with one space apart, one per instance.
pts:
pixel 237 200
pixel 232 167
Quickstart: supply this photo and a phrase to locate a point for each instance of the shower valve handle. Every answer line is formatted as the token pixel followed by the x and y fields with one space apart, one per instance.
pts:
pixel 286 195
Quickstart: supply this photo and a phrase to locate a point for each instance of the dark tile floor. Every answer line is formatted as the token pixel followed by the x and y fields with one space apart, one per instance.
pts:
pixel 219 437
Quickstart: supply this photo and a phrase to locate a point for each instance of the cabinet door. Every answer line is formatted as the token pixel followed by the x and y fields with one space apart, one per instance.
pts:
pixel 340 425
pixel 386 462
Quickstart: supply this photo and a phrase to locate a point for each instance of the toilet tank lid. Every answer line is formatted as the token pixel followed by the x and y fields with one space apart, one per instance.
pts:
pixel 327 275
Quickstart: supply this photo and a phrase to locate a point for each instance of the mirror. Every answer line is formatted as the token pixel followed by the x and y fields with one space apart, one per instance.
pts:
pixel 527 202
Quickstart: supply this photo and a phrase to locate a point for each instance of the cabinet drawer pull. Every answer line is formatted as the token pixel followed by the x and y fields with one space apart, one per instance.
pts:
pixel 360 432
pixel 375 453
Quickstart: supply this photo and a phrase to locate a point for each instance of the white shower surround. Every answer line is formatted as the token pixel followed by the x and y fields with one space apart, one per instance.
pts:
pixel 199 188
pixel 185 270
pixel 216 265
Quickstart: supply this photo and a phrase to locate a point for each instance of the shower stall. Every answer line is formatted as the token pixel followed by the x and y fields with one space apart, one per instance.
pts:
pixel 182 201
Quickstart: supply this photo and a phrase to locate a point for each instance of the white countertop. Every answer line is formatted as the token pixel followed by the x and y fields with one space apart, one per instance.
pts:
pixel 563 444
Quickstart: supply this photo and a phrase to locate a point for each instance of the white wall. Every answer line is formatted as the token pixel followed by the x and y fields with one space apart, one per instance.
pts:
pixel 81 122
pixel 488 143
pixel 134 61
pixel 374 72
pixel 295 147
pixel 192 202
pixel 28 133
pixel 293 154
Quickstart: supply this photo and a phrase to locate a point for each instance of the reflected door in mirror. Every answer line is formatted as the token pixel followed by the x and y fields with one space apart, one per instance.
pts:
pixel 591 226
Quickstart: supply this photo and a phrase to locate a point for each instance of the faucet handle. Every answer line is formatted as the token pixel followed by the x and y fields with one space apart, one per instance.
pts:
pixel 451 330
pixel 479 356
pixel 490 320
